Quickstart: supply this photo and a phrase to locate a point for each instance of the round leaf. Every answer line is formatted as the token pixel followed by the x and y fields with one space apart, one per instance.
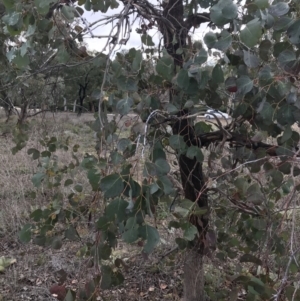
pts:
pixel 251 34
pixel 293 32
pixel 112 185
pixel 244 84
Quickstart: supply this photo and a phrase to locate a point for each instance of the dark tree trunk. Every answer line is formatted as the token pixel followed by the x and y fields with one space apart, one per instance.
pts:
pixel 81 97
pixel 190 169
pixel 194 189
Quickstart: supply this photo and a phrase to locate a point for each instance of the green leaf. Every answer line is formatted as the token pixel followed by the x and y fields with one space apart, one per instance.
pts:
pixel 71 296
pixel 182 243
pixel 250 59
pixel 137 62
pixel 112 185
pixel 252 33
pixel 250 258
pixel 287 134
pixel 147 40
pixel 241 185
pixel 34 152
pixel 230 11
pixel 265 76
pixel 150 169
pixel 71 234
pixel 267 113
pixel 165 67
pixel 151 235
pixel 281 46
pixel 114 4
pixel 183 79
pixel 68 12
pixel 200 57
pixel 124 105
pixel 279 9
pixel 132 234
pixel 190 231
pixel 265 48
pixel 217 74
pixel 56 243
pixel 104 251
pixel 12 18
pixel 102 223
pixel 37 179
pixel 8 3
pixel 195 152
pixel 106 277
pixel 283 23
pixel 168 186
pixel 293 32
pixel 37 215
pixel 62 55
pixel 78 187
pixel 224 41
pixel 244 84
pixel 25 233
pixel 42 6
pixel 116 209
pixel 277 177
pixel 21 61
pixel 162 166
pixel 210 39
pixel 177 143
pixel 223 12
pixel 286 56
pixel 68 182
pixel 202 128
pixel 31 30
pixel 262 4
pixel 94 178
pixel 285 115
pixel 126 84
pixel 254 194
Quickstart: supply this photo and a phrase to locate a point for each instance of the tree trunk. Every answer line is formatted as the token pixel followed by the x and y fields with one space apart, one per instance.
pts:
pixel 190 169
pixel 193 276
pixel 65 105
pixel 193 184
pixel 74 105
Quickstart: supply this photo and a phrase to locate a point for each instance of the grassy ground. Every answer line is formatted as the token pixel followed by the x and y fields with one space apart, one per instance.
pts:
pixel 35 268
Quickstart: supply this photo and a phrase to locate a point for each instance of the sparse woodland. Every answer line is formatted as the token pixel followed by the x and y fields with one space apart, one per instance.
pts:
pixel 113 186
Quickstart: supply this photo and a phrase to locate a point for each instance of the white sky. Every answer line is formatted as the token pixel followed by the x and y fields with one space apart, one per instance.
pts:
pixel 135 38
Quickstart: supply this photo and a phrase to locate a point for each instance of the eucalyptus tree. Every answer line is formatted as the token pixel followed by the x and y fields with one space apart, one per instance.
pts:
pixel 236 186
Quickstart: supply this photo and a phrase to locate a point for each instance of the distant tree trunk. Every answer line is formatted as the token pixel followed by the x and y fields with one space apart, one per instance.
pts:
pixel 91 107
pixel 74 105
pixel 65 105
pixel 190 169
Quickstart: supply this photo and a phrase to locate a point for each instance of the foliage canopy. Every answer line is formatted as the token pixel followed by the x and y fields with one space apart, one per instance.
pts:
pixel 239 178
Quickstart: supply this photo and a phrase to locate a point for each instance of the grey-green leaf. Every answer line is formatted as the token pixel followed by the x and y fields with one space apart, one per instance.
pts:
pixel 150 234
pixel 112 185
pixel 244 84
pixel 293 32
pixel 252 33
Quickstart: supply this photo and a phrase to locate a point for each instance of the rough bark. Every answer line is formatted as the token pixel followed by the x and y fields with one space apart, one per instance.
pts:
pixel 194 189
pixel 194 276
pixel 175 33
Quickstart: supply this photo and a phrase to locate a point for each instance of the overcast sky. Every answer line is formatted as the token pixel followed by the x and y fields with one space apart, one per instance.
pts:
pixel 135 38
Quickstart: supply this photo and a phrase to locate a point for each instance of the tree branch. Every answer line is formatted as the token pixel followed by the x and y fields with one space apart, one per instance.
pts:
pixel 195 20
